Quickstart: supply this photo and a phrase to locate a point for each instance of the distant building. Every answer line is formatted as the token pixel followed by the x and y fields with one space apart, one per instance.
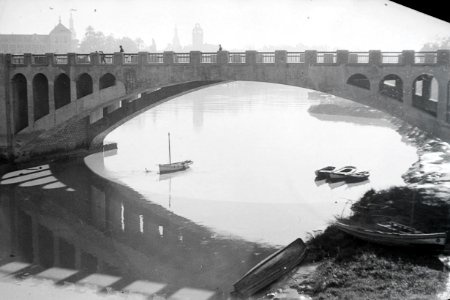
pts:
pixel 59 40
pixel 197 37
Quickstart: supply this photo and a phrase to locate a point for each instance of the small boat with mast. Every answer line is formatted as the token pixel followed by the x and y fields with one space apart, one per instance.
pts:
pixel 174 166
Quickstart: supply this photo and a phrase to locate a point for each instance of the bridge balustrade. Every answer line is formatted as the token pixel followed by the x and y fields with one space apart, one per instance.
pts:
pixel 17 59
pixel 82 59
pixel 39 59
pixel 208 58
pixel 130 59
pixel 105 59
pixel 391 58
pixel 265 58
pixel 358 58
pixel 295 57
pixel 236 58
pixel 181 58
pixel 61 59
pixel 326 58
pixel 155 58
pixel 425 58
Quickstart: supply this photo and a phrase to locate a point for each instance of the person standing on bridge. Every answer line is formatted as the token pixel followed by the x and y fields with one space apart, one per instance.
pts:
pixel 102 57
pixel 121 49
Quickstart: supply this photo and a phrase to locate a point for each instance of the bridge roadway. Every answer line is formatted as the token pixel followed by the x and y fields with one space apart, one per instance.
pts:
pixel 55 102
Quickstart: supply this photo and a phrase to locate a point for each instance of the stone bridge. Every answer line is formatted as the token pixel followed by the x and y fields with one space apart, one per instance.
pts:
pixel 61 102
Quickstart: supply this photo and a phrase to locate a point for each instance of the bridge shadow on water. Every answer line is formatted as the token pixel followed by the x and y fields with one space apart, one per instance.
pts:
pixel 63 224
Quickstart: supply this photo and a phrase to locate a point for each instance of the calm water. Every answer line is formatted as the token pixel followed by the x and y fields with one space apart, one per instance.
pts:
pixel 255 148
pixel 190 234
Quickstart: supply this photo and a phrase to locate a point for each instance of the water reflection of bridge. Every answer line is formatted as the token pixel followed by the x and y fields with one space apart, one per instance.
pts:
pixel 88 230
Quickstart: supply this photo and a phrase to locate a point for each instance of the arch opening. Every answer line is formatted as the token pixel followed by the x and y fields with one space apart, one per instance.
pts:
pixel 84 85
pixel 359 80
pixel 107 80
pixel 425 94
pixel 40 96
pixel 392 86
pixel 61 90
pixel 20 102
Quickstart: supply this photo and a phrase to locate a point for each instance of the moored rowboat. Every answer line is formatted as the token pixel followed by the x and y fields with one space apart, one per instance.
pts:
pixel 271 268
pixel 325 171
pixel 342 173
pixel 390 238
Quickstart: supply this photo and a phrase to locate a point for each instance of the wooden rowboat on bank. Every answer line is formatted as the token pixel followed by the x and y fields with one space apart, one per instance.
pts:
pixel 394 238
pixel 270 269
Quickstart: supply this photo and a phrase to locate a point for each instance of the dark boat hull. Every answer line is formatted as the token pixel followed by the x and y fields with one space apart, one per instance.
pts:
pixel 271 268
pixel 395 238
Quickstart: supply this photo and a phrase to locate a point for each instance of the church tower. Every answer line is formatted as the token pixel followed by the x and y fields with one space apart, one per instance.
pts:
pixel 176 46
pixel 197 37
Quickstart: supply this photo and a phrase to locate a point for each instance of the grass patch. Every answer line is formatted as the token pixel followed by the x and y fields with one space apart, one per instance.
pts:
pixel 355 269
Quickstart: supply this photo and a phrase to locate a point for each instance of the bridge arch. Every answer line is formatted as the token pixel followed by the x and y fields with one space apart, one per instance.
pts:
pixel 425 93
pixel 20 102
pixel 40 96
pixel 61 90
pixel 392 86
pixel 107 80
pixel 359 80
pixel 84 85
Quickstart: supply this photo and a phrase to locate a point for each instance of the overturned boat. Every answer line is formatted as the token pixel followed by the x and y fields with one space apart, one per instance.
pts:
pixel 271 268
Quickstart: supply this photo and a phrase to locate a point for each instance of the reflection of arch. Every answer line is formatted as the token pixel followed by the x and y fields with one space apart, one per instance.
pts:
pixel 20 102
pixel 84 85
pixel 40 96
pixel 130 80
pixel 392 86
pixel 359 80
pixel 107 80
pixel 61 90
pixel 425 95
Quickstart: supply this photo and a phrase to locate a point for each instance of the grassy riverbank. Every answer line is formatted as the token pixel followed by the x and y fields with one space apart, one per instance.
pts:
pixel 353 269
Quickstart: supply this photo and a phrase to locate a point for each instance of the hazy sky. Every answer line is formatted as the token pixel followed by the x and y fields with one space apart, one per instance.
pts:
pixel 344 24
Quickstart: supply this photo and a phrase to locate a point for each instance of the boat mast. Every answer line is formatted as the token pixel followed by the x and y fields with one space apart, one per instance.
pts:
pixel 170 159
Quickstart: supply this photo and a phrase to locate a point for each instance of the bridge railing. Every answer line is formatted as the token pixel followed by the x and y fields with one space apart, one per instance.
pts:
pixel 391 57
pixel 61 59
pixel 130 59
pixel 311 57
pixel 295 57
pixel 236 58
pixel 326 58
pixel 358 57
pixel 265 58
pixel 38 59
pixel 82 59
pixel 106 59
pixel 17 59
pixel 155 58
pixel 425 58
pixel 181 58
pixel 208 58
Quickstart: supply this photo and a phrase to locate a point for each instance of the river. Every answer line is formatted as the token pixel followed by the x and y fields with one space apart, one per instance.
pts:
pixel 251 189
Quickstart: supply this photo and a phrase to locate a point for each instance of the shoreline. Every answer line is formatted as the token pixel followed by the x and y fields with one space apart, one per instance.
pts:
pixel 429 175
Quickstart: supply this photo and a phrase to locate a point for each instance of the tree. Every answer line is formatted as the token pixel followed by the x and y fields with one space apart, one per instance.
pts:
pixel 442 43
pixel 97 41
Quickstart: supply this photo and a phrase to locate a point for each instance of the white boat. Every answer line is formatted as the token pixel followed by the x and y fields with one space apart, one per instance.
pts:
pixel 174 167
pixel 342 173
pixel 325 171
